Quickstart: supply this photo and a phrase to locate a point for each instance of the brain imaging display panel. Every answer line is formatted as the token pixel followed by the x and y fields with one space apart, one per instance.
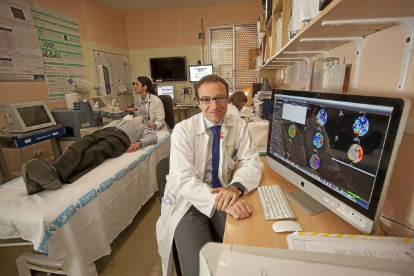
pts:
pixel 338 144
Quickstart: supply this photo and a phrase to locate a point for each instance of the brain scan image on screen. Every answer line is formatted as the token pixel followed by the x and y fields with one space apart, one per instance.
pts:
pixel 322 117
pixel 355 153
pixel 315 162
pixel 361 126
pixel 318 140
pixel 292 131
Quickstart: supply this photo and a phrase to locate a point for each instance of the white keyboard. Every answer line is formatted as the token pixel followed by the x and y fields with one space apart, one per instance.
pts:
pixel 274 203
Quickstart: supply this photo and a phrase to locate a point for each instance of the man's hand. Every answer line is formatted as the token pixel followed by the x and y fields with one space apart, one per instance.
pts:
pixel 129 109
pixel 240 210
pixel 226 197
pixel 134 146
pixel 150 125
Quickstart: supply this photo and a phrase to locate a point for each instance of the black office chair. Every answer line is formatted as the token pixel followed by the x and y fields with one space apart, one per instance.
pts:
pixel 162 168
pixel 168 109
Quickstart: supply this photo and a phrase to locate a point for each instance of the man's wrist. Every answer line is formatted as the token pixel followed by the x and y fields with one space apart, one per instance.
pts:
pixel 239 187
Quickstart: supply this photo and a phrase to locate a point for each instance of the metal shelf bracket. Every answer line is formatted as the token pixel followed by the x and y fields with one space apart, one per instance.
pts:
pixel 407 23
pixel 324 53
pixel 359 41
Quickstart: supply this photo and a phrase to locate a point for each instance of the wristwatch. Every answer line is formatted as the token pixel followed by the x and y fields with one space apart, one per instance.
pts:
pixel 239 187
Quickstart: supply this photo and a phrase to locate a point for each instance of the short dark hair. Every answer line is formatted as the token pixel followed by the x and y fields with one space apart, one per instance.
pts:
pixel 211 78
pixel 237 98
pixel 148 83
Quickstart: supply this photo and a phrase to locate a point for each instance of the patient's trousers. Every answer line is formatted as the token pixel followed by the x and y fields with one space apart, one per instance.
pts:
pixel 89 152
pixel 193 231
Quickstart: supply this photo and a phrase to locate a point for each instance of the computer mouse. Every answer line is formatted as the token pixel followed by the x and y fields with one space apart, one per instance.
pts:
pixel 286 226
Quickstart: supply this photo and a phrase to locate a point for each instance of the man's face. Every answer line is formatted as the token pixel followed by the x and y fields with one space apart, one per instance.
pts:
pixel 213 112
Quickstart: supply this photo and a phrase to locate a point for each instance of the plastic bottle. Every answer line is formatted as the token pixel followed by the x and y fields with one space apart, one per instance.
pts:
pixel 96 107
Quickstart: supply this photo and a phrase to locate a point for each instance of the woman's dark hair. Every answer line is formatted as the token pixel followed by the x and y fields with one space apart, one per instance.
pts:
pixel 237 98
pixel 148 83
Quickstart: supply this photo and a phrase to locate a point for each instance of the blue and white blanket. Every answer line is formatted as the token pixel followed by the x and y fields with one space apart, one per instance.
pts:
pixel 77 223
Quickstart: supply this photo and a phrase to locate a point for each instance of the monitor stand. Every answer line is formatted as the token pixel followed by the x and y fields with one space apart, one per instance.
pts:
pixel 305 202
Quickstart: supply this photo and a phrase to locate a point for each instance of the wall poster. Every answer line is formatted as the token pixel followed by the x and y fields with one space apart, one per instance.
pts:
pixel 20 53
pixel 59 38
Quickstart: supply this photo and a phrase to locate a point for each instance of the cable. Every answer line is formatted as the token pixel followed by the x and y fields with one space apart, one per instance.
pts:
pixel 381 224
pixel 398 223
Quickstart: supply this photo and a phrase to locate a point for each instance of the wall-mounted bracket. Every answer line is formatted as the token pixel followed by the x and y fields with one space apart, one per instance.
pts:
pixel 407 23
pixel 324 53
pixel 358 43
pixel 309 64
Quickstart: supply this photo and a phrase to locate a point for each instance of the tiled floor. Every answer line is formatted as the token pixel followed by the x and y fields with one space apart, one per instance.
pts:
pixel 134 251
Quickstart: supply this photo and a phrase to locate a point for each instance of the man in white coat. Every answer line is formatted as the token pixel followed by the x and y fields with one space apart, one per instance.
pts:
pixel 202 185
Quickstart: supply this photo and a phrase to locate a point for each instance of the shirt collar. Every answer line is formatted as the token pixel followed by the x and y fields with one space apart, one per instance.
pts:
pixel 146 98
pixel 210 124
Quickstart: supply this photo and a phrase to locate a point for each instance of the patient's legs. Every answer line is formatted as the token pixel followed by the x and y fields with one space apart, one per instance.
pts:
pixel 89 152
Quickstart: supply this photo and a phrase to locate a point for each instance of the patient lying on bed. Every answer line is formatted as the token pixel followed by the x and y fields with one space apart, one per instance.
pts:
pixel 84 155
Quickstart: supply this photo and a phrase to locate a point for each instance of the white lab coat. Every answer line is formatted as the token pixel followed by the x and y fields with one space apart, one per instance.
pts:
pixel 156 112
pixel 187 163
pixel 231 109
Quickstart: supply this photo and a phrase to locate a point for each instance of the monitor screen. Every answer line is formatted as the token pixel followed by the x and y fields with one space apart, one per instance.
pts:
pixel 34 115
pixel 168 69
pixel 166 90
pixel 341 144
pixel 197 72
pixel 106 79
pixel 99 101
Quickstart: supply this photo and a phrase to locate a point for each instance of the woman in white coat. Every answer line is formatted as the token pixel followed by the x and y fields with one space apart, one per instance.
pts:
pixel 188 158
pixel 148 100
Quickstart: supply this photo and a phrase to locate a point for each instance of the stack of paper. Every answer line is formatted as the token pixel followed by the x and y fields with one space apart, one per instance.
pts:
pixel 393 248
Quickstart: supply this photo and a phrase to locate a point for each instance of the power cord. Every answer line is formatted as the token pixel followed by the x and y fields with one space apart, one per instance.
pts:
pixel 408 227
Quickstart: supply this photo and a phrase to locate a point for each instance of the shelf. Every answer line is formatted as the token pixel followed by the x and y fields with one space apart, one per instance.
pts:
pixel 277 8
pixel 341 10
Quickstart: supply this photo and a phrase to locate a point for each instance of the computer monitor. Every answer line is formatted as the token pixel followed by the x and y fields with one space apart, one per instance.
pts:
pixel 199 71
pixel 338 149
pixel 166 90
pixel 25 117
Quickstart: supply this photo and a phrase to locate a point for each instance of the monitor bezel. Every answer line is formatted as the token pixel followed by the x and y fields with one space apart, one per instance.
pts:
pixel 397 123
pixel 191 66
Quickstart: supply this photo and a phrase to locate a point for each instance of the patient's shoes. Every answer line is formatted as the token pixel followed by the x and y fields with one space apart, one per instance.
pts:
pixel 38 176
pixel 31 186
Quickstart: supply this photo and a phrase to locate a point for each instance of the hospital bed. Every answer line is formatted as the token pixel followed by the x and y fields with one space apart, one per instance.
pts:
pixel 76 224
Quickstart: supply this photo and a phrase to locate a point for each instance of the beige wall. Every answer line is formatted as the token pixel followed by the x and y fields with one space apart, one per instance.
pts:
pixel 96 32
pixel 379 72
pixel 95 28
pixel 162 28
pixel 157 34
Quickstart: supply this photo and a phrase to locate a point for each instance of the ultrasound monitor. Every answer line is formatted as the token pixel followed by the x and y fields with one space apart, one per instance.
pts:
pixel 166 90
pixel 200 71
pixel 26 117
pixel 337 149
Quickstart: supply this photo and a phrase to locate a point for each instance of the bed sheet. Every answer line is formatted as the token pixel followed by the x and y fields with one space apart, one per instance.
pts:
pixel 77 223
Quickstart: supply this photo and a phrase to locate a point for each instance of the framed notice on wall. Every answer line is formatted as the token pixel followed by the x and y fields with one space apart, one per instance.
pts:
pixel 60 44
pixel 20 53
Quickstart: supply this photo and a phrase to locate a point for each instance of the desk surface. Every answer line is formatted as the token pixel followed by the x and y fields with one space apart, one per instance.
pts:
pixel 256 231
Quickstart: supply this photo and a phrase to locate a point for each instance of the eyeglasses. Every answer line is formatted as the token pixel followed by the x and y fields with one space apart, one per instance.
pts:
pixel 208 100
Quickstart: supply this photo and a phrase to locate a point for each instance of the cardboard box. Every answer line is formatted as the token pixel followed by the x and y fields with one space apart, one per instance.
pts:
pixel 16 157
